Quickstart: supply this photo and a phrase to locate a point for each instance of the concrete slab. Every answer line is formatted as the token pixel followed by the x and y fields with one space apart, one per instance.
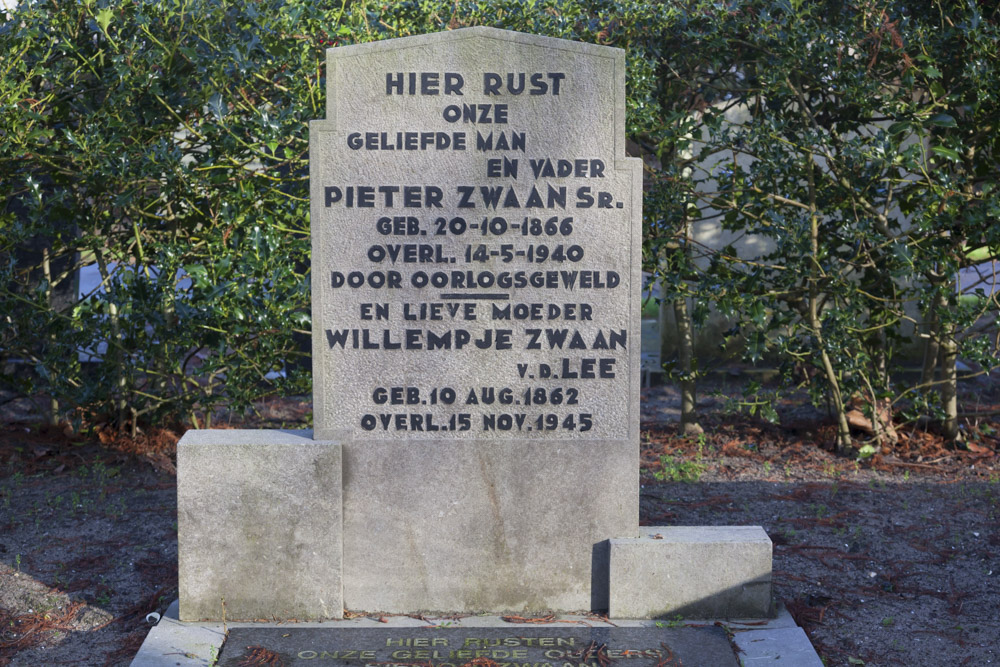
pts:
pixel 774 641
pixel 777 647
pixel 259 525
pixel 171 643
pixel 692 572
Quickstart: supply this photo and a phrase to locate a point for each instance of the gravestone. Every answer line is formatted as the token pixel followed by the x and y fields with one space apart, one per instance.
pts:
pixel 476 295
pixel 476 364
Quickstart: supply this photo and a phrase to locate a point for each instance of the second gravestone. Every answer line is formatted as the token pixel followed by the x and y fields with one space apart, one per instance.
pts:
pixel 476 284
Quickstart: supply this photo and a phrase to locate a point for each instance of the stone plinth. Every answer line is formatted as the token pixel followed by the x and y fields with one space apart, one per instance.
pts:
pixel 259 525
pixel 691 571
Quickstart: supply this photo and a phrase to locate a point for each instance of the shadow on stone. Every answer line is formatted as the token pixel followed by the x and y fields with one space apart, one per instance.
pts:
pixel 599 573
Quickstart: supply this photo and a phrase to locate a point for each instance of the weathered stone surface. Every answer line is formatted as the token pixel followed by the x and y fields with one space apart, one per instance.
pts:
pixel 779 647
pixel 481 474
pixel 691 571
pixel 259 525
pixel 454 647
pixel 171 643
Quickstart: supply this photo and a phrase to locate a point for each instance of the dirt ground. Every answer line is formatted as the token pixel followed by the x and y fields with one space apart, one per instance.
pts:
pixel 890 561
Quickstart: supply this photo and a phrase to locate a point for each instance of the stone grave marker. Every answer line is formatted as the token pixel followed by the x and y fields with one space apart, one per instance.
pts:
pixel 706 646
pixel 476 288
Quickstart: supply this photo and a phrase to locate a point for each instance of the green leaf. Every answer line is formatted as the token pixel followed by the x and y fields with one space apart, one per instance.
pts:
pixel 932 72
pixel 942 120
pixel 217 106
pixel 903 253
pixel 949 153
pixel 103 19
pixel 983 254
pixel 866 451
pixel 898 128
pixel 755 346
pixel 198 273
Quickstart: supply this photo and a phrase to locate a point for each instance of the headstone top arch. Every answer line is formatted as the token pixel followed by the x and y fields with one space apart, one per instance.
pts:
pixel 474 219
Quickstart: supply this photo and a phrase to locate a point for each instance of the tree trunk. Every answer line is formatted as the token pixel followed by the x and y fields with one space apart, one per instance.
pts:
pixel 949 385
pixel 942 352
pixel 884 430
pixel 114 349
pixel 53 408
pixel 931 348
pixel 843 442
pixel 882 360
pixel 947 333
pixel 685 367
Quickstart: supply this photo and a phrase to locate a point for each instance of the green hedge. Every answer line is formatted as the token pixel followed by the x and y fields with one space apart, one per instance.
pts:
pixel 172 134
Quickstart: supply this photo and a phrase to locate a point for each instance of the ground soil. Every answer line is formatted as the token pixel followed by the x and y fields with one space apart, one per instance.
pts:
pixel 892 560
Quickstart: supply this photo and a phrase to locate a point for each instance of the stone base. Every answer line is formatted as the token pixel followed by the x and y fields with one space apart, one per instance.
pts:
pixel 692 572
pixel 259 526
pixel 492 526
pixel 775 642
